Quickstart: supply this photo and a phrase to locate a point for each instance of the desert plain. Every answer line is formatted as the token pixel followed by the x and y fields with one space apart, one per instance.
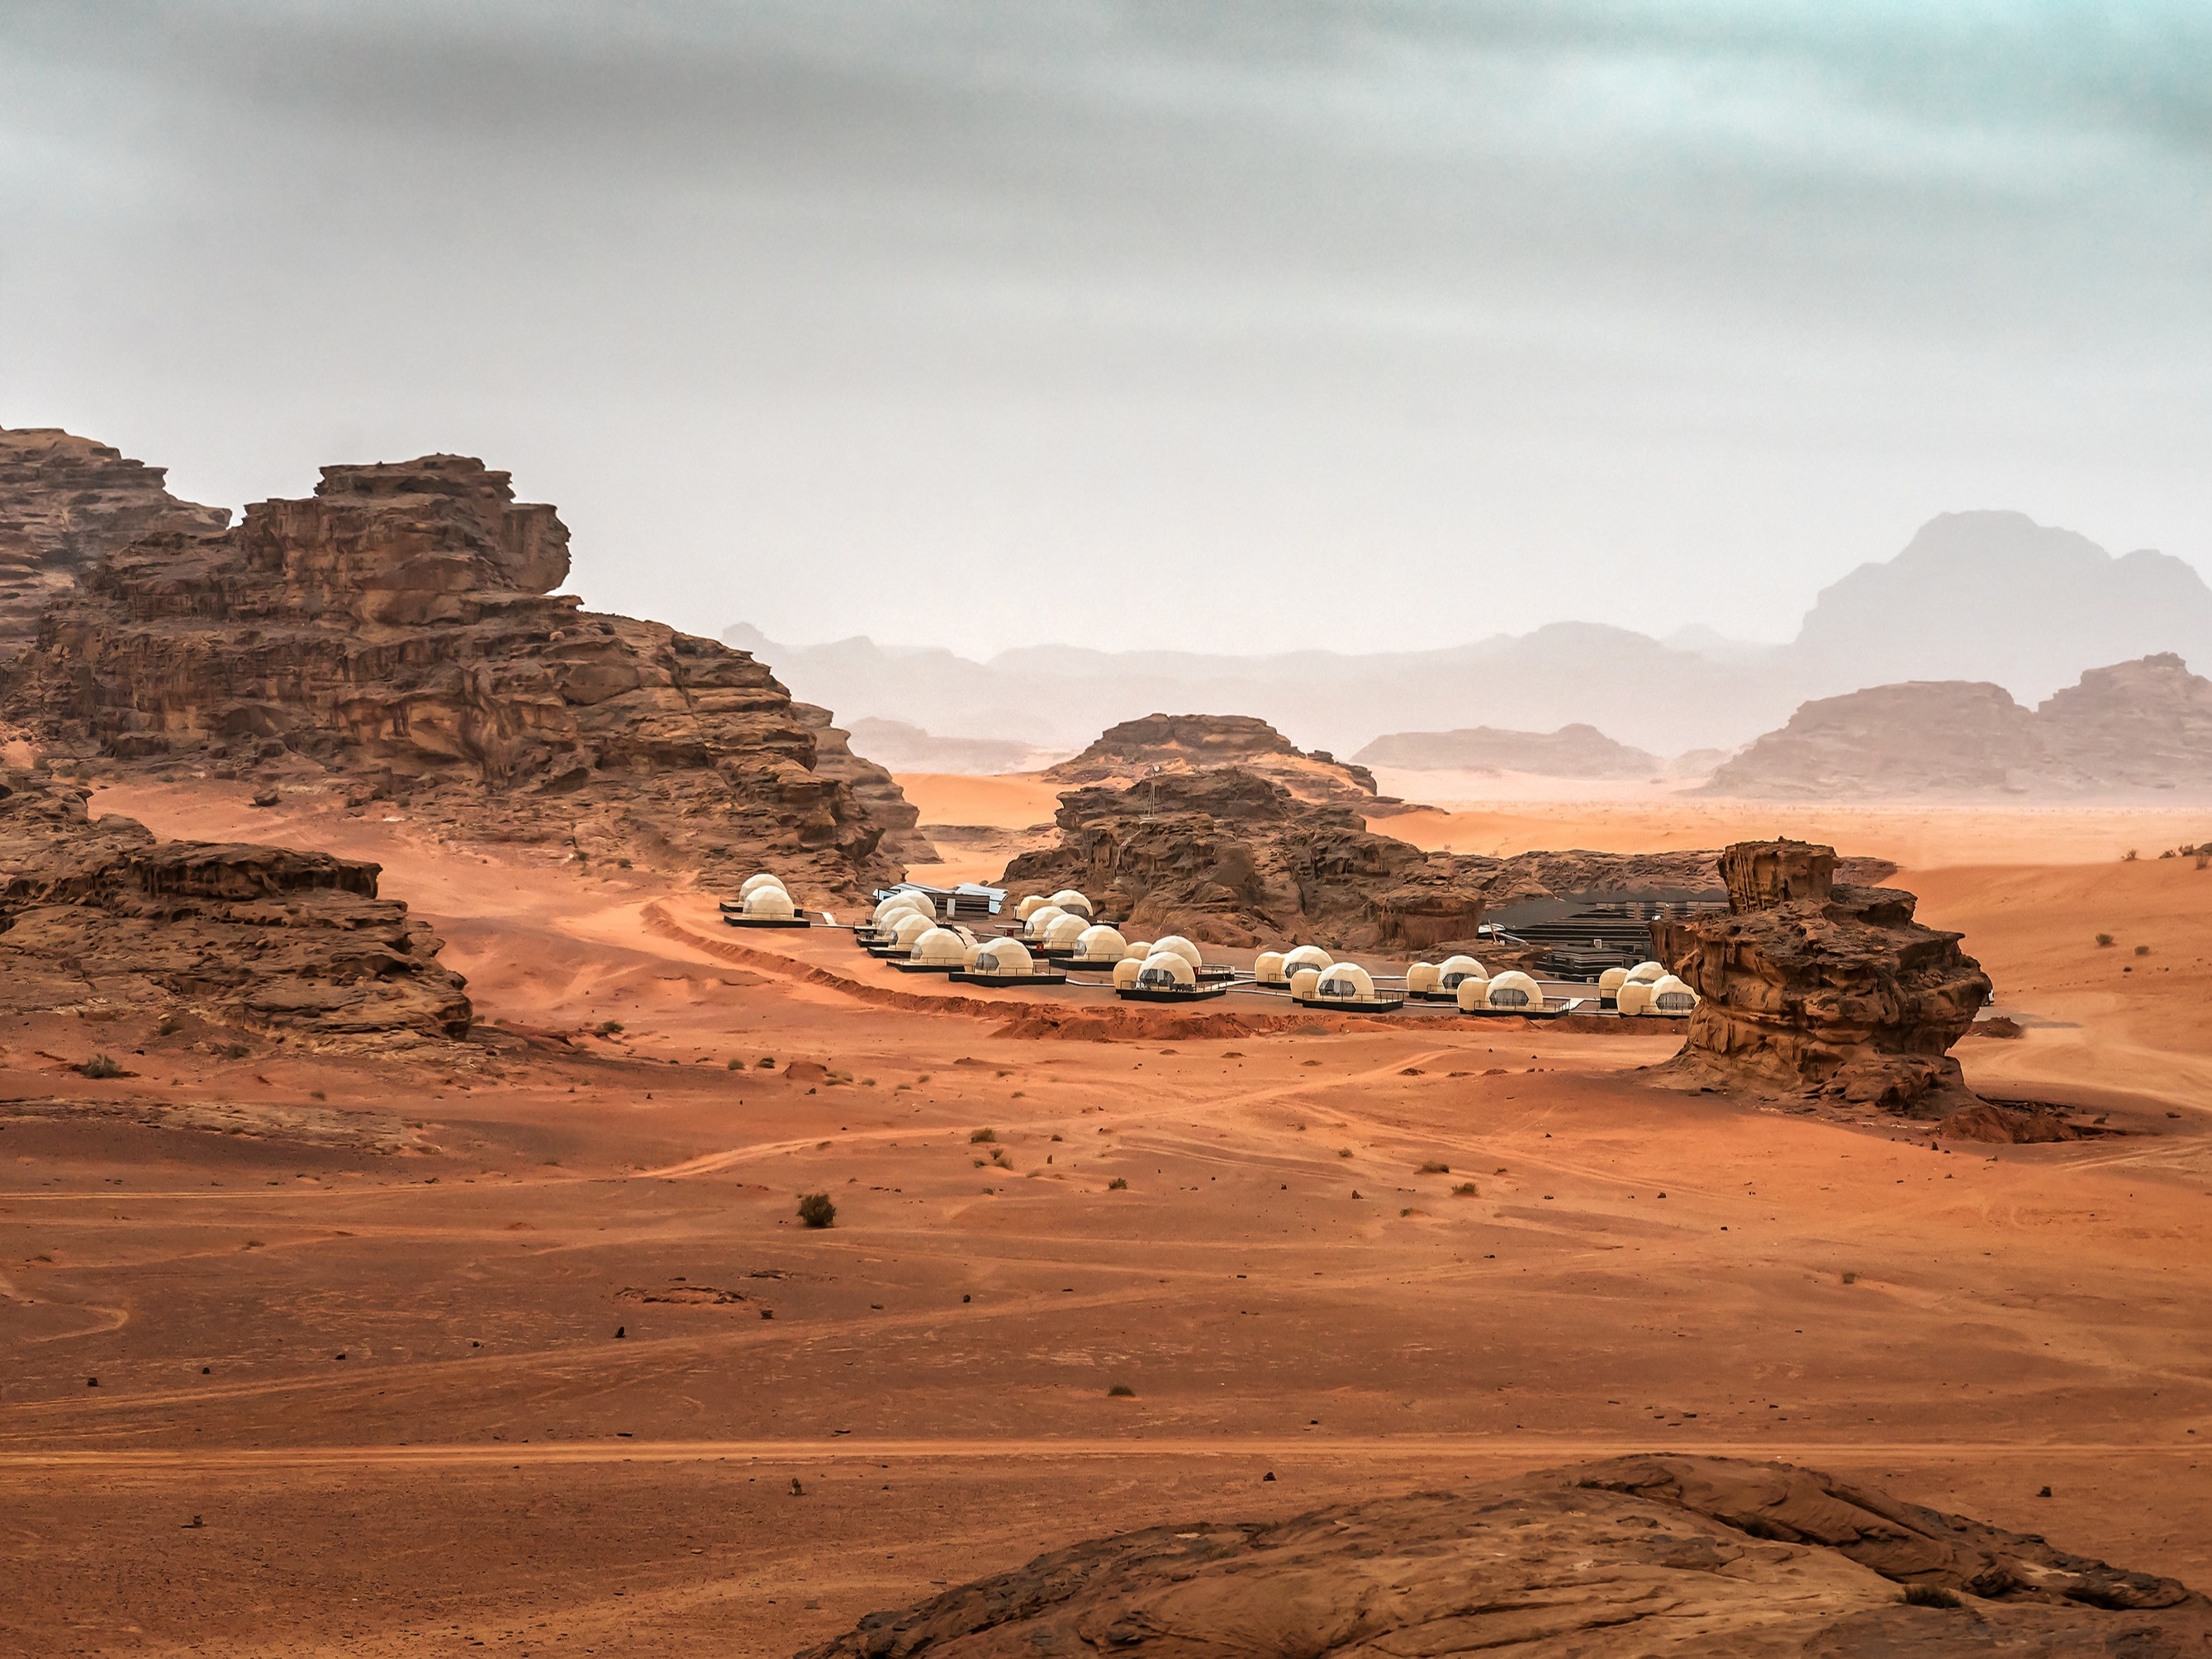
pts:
pixel 519 1345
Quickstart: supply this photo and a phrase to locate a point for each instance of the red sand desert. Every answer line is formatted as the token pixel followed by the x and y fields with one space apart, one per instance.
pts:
pixel 522 1349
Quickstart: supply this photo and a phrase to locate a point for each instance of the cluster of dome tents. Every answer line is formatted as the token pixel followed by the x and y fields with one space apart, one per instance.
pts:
pixel 1050 935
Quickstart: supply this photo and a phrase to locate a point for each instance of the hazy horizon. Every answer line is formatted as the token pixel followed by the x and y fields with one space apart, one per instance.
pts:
pixel 1227 328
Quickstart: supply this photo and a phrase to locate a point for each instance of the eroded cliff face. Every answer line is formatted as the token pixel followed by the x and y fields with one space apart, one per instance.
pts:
pixel 1817 988
pixel 1170 745
pixel 393 634
pixel 1645 1555
pixel 99 918
pixel 65 501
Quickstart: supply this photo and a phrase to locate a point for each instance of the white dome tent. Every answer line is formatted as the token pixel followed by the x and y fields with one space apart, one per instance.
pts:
pixel 1304 956
pixel 1645 972
pixel 1420 979
pixel 935 951
pixel 1473 995
pixel 754 884
pixel 766 905
pixel 1267 970
pixel 1635 999
pixel 1672 997
pixel 1065 930
pixel 1072 902
pixel 1008 961
pixel 1346 985
pixel 1513 992
pixel 1167 976
pixel 1099 946
pixel 1454 970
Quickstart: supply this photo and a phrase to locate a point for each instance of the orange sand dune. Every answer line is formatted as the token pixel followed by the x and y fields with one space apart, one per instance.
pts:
pixel 569 1374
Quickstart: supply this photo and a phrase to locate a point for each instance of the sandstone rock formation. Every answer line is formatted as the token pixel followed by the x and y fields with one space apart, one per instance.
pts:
pixel 394 633
pixel 2133 728
pixel 1167 745
pixel 65 501
pixel 905 747
pixel 881 799
pixel 1231 857
pixel 98 917
pixel 1227 856
pixel 1572 751
pixel 1820 989
pixel 1629 1558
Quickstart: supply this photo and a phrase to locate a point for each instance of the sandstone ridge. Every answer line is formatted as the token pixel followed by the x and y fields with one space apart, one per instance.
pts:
pixel 1818 988
pixel 2134 728
pixel 1634 1557
pixel 1167 744
pixel 100 919
pixel 394 635
pixel 65 501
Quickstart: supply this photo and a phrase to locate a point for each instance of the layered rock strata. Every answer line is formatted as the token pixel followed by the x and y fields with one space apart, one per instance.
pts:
pixel 880 799
pixel 65 501
pixel 99 918
pixel 1160 746
pixel 1645 1556
pixel 395 633
pixel 1820 989
pixel 1572 751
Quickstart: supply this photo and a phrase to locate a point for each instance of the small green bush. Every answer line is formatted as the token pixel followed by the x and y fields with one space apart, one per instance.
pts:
pixel 1434 1168
pixel 815 1209
pixel 2104 939
pixel 1117 1185
pixel 1930 1595
pixel 1465 1190
pixel 766 1063
pixel 1120 1391
pixel 101 1066
pixel 977 1137
pixel 610 1028
pixel 736 1065
pixel 2142 949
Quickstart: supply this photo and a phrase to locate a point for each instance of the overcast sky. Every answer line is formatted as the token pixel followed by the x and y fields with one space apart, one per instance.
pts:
pixel 1221 326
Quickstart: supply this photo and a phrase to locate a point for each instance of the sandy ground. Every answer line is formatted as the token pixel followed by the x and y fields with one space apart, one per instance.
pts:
pixel 523 1348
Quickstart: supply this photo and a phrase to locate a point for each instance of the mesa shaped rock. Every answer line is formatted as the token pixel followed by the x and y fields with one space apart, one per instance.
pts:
pixel 97 917
pixel 1230 857
pixel 395 631
pixel 65 501
pixel 1637 1556
pixel 1167 744
pixel 1817 987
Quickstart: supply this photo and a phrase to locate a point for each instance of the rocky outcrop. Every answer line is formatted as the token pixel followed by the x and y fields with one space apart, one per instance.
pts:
pixel 1232 858
pixel 1818 988
pixel 65 501
pixel 2133 728
pixel 877 791
pixel 394 633
pixel 1572 751
pixel 1653 1556
pixel 99 918
pixel 1161 745
pixel 905 747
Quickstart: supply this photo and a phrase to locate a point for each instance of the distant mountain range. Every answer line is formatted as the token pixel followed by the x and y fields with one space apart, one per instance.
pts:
pixel 1988 596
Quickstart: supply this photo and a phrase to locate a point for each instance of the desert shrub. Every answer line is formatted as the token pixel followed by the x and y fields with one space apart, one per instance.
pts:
pixel 317 1094
pixel 1465 1190
pixel 2142 949
pixel 2129 856
pixel 2104 939
pixel 1850 1279
pixel 979 1136
pixel 610 1027
pixel 622 864
pixel 1117 1185
pixel 1344 1152
pixel 170 1026
pixel 1120 1391
pixel 1929 1595
pixel 766 1063
pixel 1431 1167
pixel 101 1066
pixel 815 1209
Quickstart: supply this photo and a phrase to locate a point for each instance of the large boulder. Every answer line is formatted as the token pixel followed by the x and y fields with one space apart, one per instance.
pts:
pixel 1811 987
pixel 1637 1556
pixel 395 632
pixel 99 918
